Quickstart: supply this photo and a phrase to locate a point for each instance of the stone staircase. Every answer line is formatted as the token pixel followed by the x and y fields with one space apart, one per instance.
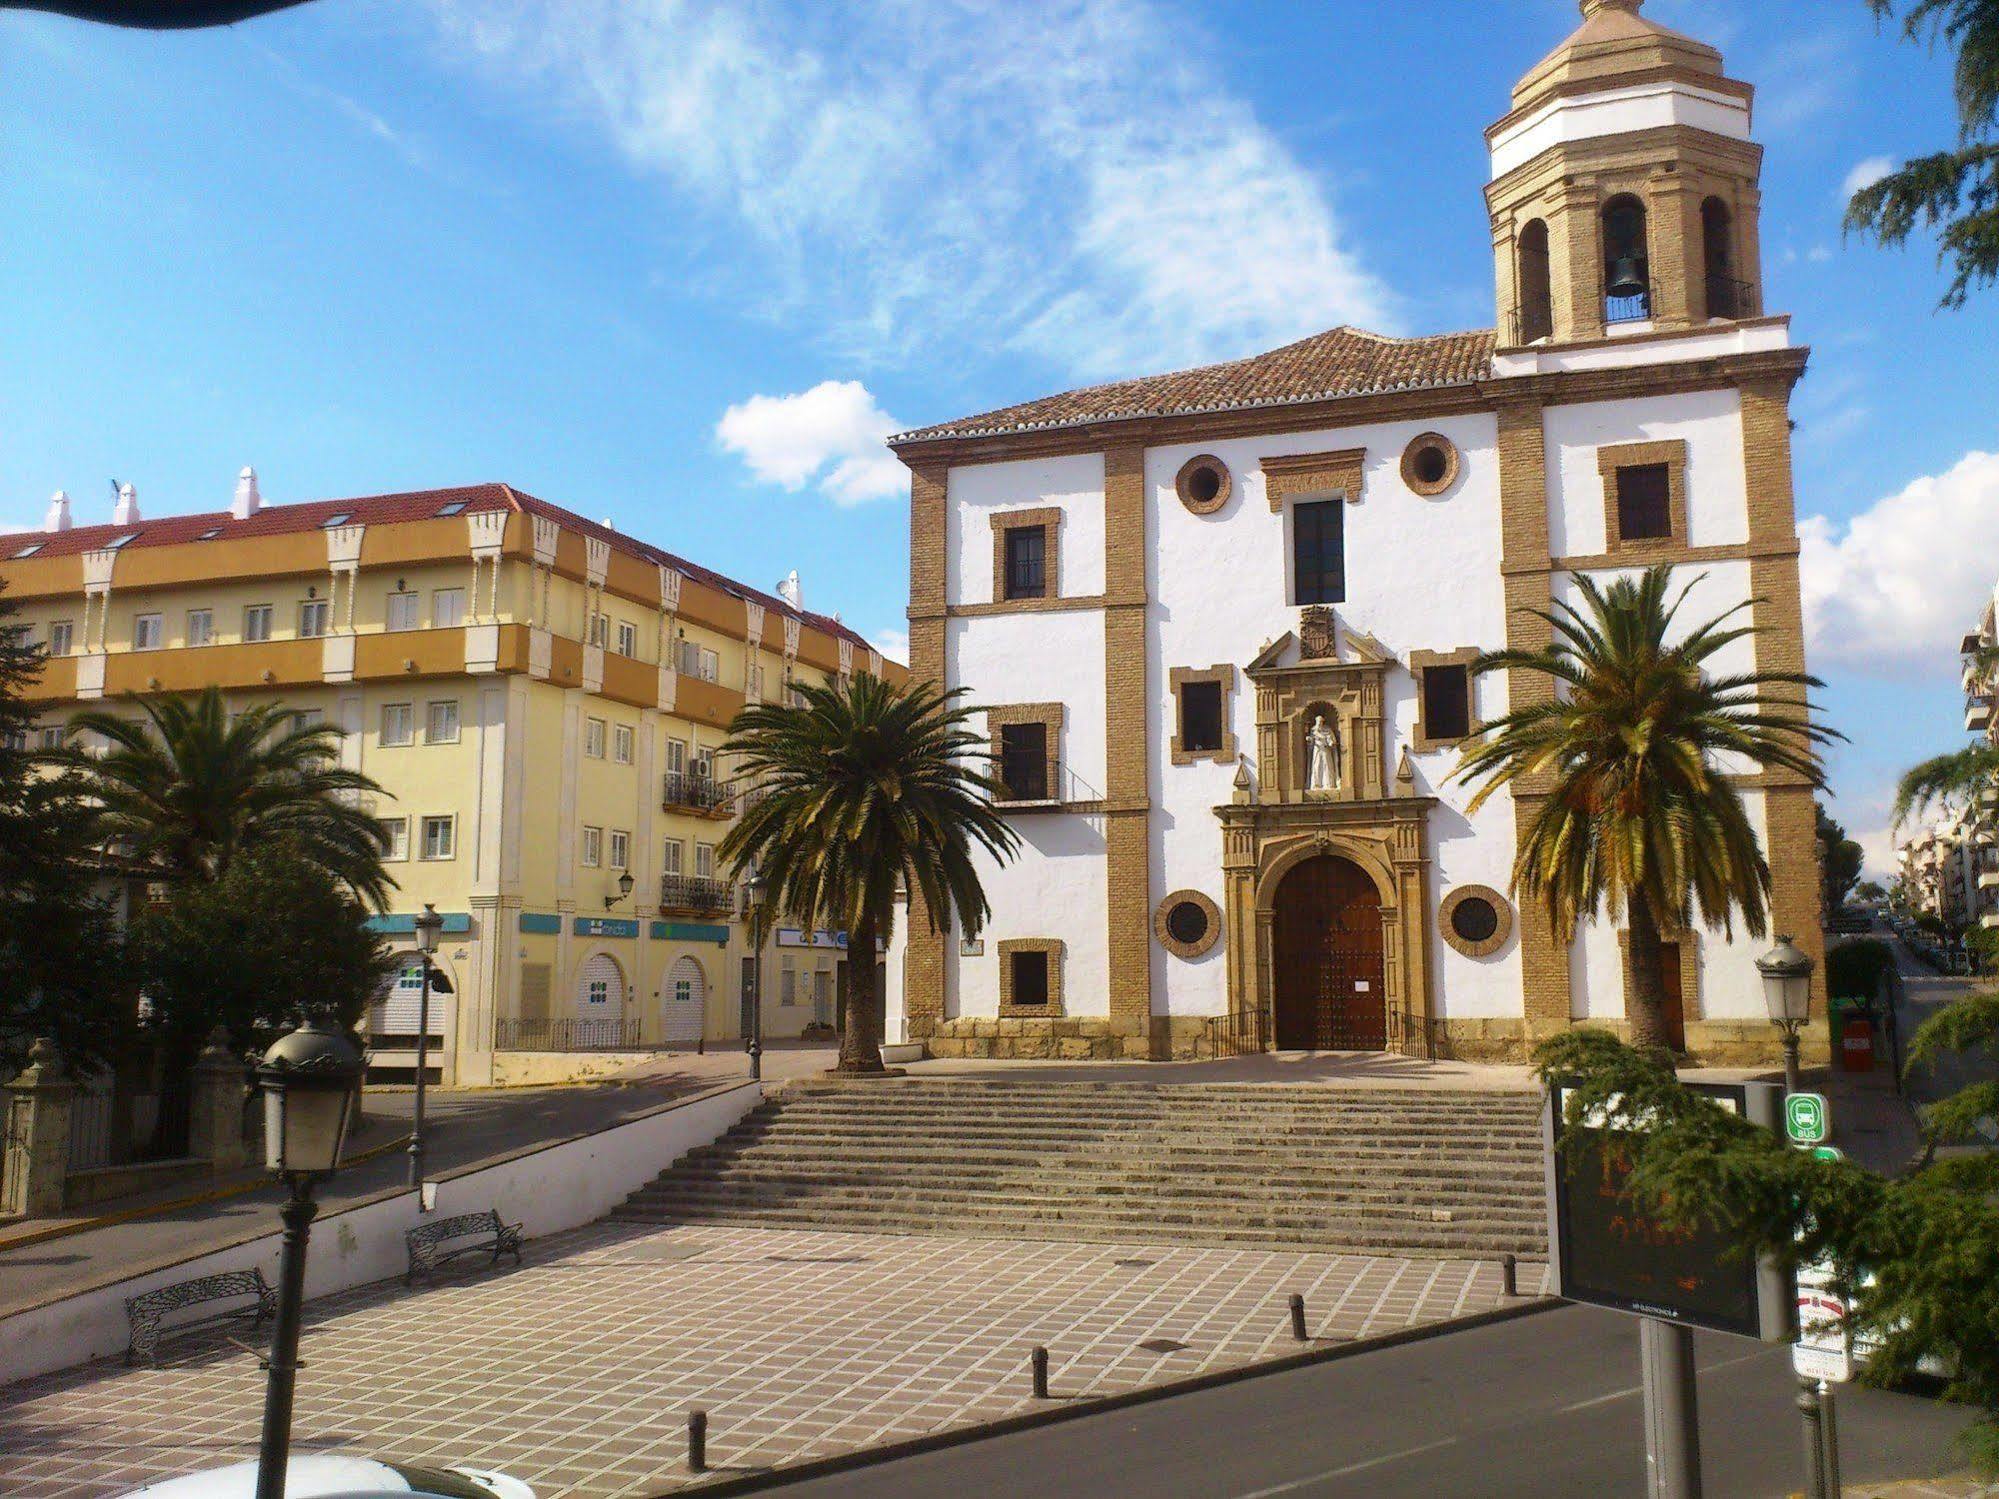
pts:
pixel 1410 1171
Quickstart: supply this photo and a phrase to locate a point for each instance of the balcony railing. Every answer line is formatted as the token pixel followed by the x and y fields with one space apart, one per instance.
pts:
pixel 693 791
pixel 1730 298
pixel 1627 309
pixel 693 892
pixel 1049 786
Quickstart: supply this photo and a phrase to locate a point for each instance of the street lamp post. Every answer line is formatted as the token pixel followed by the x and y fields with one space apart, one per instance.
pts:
pixel 308 1080
pixel 428 925
pixel 756 890
pixel 1787 995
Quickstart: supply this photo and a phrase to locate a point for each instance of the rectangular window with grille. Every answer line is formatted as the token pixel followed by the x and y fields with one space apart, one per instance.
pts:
pixel 621 849
pixel 672 852
pixel 402 611
pixel 622 743
pixel 1026 562
pixel 1446 702
pixel 593 846
pixel 1030 978
pixel 441 723
pixel 704 861
pixel 676 756
pixel 200 626
pixel 711 665
pixel 1318 543
pixel 62 637
pixel 146 632
pixel 312 616
pixel 1645 502
pixel 1201 716
pixel 628 638
pixel 257 622
pixel 1024 761
pixel 593 738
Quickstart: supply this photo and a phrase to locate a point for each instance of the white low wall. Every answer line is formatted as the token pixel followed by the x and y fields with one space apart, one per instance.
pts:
pixel 546 1188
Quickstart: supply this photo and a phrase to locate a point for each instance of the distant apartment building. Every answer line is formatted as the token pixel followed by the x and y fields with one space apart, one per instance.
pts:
pixel 542 700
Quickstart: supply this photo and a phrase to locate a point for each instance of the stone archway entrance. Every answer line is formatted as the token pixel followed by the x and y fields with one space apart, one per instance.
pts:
pixel 1329 970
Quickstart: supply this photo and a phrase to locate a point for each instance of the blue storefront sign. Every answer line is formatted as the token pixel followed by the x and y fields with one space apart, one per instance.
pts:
pixel 606 926
pixel 690 931
pixel 792 936
pixel 456 924
pixel 541 924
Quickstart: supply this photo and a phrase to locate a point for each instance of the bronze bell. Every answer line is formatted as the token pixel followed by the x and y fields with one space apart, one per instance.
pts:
pixel 1626 280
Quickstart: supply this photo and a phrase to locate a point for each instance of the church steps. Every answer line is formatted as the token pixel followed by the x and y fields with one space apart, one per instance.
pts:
pixel 1404 1171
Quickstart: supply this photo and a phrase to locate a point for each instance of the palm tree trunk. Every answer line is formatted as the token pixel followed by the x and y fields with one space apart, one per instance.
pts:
pixel 1644 986
pixel 860 1046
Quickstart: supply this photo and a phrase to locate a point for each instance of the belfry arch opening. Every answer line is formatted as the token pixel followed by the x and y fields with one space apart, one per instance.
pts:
pixel 1627 266
pixel 1536 312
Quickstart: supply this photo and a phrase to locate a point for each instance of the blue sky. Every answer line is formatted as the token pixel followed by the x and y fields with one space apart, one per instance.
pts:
pixel 682 265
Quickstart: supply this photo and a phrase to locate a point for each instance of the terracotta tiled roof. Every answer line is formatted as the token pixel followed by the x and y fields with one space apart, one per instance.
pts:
pixel 1342 362
pixel 385 509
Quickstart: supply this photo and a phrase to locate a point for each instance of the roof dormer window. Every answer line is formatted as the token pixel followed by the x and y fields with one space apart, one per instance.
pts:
pixel 336 520
pixel 29 550
pixel 112 546
pixel 454 508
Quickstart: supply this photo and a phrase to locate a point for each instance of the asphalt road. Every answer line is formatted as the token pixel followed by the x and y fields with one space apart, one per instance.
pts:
pixel 1544 1406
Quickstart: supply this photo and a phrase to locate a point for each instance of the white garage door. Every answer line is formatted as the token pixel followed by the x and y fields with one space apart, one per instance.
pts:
pixel 600 1002
pixel 686 1003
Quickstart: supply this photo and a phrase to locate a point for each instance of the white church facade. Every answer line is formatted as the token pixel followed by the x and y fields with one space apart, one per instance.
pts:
pixel 1220 621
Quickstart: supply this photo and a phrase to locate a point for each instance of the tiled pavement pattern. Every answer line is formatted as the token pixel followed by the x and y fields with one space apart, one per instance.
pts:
pixel 576 1371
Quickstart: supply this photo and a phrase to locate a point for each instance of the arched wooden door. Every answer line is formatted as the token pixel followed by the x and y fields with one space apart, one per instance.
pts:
pixel 1327 956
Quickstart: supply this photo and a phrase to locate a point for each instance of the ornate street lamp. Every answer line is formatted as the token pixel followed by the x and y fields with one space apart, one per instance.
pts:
pixel 1787 994
pixel 624 891
pixel 756 890
pixel 309 1080
pixel 428 926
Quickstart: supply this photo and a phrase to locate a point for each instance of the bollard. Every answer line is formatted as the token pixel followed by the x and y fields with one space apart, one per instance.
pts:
pixel 697 1441
pixel 1039 1361
pixel 1298 1318
pixel 1509 1277
pixel 1808 1407
pixel 1829 1423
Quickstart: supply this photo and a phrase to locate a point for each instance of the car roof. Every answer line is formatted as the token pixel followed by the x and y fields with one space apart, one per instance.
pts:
pixel 319 1475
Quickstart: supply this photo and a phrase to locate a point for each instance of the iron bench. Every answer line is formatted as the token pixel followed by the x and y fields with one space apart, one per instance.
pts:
pixel 148 1310
pixel 484 1230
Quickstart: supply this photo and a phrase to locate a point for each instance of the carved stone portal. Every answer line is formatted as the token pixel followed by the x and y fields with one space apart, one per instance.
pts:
pixel 1367 815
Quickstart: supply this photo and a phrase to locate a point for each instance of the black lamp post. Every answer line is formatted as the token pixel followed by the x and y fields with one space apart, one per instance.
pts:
pixel 1787 994
pixel 308 1080
pixel 428 926
pixel 624 891
pixel 756 890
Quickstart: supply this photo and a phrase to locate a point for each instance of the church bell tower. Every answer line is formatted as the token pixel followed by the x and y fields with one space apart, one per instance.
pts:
pixel 1624 193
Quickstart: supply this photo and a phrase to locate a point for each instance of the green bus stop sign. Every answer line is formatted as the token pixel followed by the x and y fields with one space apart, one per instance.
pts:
pixel 1806 1120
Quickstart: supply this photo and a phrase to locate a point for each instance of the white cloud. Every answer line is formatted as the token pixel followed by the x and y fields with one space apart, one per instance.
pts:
pixel 894 644
pixel 1865 174
pixel 831 436
pixel 1072 175
pixel 1894 589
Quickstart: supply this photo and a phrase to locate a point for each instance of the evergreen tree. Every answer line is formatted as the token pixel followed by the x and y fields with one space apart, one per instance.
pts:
pixel 1840 860
pixel 58 941
pixel 1955 190
pixel 1916 1257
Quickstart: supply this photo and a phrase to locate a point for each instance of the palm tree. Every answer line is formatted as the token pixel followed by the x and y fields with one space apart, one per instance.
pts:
pixel 865 786
pixel 1639 817
pixel 183 791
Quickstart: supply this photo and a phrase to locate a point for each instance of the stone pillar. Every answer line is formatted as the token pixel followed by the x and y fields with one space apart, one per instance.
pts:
pixel 215 1107
pixel 38 1134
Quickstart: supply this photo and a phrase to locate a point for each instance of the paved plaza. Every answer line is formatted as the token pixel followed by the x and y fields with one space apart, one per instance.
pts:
pixel 576 1372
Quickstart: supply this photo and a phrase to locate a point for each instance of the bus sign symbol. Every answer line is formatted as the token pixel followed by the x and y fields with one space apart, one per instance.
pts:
pixel 1805 1119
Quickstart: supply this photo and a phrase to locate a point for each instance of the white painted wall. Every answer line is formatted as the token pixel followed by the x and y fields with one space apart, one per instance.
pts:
pixel 1057 886
pixel 1039 658
pixel 979 492
pixel 1717 483
pixel 1618 111
pixel 546 1189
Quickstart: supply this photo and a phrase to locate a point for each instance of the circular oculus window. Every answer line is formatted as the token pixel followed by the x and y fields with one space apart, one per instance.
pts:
pixel 1204 484
pixel 1476 920
pixel 1430 464
pixel 1187 923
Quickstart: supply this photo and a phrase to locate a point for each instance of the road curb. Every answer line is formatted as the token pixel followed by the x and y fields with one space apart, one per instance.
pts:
pixel 213 1194
pixel 960 1436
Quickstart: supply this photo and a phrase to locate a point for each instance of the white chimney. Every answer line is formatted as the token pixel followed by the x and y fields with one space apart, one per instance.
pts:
pixel 58 516
pixel 126 511
pixel 247 502
pixel 788 590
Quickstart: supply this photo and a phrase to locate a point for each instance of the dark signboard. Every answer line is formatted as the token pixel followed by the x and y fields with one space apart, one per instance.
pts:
pixel 1607 1252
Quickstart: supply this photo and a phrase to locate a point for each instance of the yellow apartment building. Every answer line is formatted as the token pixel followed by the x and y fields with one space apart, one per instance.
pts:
pixel 542 700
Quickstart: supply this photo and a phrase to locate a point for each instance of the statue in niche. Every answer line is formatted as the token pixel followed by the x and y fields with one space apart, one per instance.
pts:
pixel 1322 755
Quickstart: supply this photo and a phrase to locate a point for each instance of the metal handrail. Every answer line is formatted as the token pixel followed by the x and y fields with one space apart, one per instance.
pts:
pixel 689 788
pixel 1411 1034
pixel 1728 297
pixel 1627 309
pixel 693 892
pixel 1237 1034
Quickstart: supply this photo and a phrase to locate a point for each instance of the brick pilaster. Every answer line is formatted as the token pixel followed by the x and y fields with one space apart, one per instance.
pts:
pixel 1126 791
pixel 924 950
